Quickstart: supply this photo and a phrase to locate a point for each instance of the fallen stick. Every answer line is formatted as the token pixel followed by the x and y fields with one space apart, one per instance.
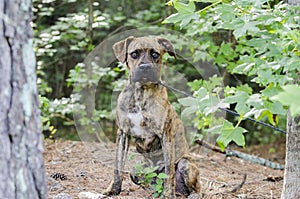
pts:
pixel 235 189
pixel 239 186
pixel 244 156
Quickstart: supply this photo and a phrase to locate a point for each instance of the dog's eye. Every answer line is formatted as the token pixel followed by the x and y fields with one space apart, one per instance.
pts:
pixel 134 55
pixel 154 54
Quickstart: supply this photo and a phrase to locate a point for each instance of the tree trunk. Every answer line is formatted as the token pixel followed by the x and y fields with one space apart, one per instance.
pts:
pixel 291 184
pixel 22 173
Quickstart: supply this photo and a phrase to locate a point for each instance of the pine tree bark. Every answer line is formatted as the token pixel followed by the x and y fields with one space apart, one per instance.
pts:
pixel 291 184
pixel 22 173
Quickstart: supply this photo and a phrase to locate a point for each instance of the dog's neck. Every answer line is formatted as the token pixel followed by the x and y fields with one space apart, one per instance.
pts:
pixel 139 85
pixel 143 91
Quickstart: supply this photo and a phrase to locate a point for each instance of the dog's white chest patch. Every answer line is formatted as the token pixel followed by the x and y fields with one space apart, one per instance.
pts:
pixel 136 119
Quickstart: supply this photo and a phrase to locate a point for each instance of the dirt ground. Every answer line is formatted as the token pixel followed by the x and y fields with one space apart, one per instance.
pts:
pixel 73 167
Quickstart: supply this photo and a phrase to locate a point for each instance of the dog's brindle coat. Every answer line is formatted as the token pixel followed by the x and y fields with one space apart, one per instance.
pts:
pixel 145 113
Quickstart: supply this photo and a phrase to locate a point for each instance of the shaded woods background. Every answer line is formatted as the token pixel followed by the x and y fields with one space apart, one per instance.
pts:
pixel 65 34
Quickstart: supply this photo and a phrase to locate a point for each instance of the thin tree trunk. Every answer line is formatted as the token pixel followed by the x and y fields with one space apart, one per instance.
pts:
pixel 291 184
pixel 90 24
pixel 22 174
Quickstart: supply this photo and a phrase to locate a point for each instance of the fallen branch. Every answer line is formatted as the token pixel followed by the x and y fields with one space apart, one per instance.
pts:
pixel 239 186
pixel 244 156
pixel 235 189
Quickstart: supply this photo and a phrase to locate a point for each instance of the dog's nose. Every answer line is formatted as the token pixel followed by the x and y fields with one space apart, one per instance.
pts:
pixel 144 66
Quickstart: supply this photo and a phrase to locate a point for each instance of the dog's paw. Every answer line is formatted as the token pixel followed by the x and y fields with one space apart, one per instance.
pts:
pixel 111 192
pixel 113 189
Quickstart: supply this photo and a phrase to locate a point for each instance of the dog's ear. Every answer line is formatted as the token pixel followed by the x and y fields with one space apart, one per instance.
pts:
pixel 120 49
pixel 167 46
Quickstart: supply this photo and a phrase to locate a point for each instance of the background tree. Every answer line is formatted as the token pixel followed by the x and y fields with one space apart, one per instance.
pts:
pixel 21 164
pixel 291 183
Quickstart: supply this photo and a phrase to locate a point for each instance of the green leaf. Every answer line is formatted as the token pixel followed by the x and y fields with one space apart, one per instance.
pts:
pixel 238 26
pixel 290 97
pixel 149 170
pixel 239 31
pixel 271 90
pixel 196 84
pixel 251 27
pixel 200 55
pixel 189 110
pixel 274 49
pixel 150 175
pixel 243 68
pixel 239 98
pixel 185 8
pixel 159 181
pixel 213 83
pixel 249 114
pixel 202 92
pixel 230 133
pixel 185 14
pixel 211 104
pixel 229 90
pixel 277 108
pixel 242 108
pixel 162 176
pixel 173 18
pixel 206 103
pixel 183 18
pixel 264 76
pixel 158 188
pixel 226 49
pixel 248 63
pixel 262 113
pixel 188 19
pixel 292 64
pixel 255 101
pixel 244 87
pixel 188 101
pixel 226 12
pixel 259 44
pixel 243 27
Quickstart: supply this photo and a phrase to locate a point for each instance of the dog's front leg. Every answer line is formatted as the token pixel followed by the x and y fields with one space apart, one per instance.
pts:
pixel 121 152
pixel 169 158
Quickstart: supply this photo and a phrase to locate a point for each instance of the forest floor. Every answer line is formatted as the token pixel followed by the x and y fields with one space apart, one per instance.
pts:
pixel 88 167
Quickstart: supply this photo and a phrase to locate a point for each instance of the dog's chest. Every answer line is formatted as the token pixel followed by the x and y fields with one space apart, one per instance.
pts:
pixel 136 120
pixel 145 120
pixel 141 113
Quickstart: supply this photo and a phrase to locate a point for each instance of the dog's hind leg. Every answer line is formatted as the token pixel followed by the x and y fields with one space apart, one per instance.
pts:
pixel 187 178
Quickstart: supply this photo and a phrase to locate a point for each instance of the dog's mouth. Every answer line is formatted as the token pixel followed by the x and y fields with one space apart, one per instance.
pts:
pixel 145 79
pixel 145 75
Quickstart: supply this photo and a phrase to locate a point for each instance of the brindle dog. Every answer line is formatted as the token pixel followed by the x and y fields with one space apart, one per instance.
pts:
pixel 144 113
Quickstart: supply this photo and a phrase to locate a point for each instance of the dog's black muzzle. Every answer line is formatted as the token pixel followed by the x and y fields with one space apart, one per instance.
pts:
pixel 146 73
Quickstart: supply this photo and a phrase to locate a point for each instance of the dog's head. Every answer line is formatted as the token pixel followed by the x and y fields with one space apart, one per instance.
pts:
pixel 143 57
